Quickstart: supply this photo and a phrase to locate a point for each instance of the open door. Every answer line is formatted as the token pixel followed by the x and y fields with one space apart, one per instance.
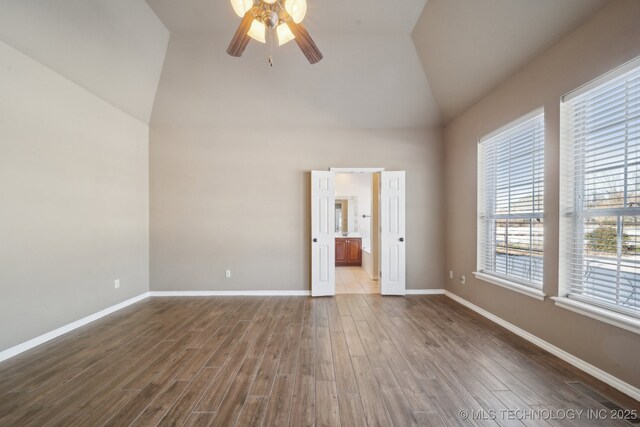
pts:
pixel 323 232
pixel 392 233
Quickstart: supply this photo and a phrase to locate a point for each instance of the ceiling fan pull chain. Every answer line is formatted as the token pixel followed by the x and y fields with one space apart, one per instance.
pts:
pixel 270 44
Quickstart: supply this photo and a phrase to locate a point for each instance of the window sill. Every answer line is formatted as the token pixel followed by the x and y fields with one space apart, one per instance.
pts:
pixel 516 287
pixel 616 319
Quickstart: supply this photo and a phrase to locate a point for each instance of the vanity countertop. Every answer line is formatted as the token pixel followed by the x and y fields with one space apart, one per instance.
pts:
pixel 350 236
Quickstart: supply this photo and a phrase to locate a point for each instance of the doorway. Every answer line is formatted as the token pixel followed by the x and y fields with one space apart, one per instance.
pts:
pixel 356 213
pixel 357 231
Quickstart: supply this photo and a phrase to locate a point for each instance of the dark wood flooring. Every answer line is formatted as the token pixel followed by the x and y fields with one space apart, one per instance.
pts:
pixel 352 360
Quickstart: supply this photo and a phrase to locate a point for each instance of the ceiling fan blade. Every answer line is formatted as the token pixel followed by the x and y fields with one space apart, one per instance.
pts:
pixel 241 38
pixel 303 39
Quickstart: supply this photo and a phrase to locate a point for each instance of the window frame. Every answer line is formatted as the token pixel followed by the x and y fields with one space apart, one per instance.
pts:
pixel 510 282
pixel 572 214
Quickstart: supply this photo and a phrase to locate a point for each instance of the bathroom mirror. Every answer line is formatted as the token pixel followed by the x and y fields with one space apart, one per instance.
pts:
pixel 346 212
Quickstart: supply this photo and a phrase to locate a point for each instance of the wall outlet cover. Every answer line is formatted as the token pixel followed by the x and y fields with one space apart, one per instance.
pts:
pixel 116 284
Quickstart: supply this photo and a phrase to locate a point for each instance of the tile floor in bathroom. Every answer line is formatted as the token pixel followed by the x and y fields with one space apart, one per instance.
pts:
pixel 354 280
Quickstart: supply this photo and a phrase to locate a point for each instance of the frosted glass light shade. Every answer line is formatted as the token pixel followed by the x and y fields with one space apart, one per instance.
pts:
pixel 284 34
pixel 258 31
pixel 240 7
pixel 297 9
pixel 270 1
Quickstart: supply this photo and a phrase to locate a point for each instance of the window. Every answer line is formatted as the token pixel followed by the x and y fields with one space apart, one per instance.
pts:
pixel 601 192
pixel 511 205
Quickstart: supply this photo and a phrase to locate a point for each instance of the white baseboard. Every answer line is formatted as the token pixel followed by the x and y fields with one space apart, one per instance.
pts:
pixel 598 373
pixel 227 293
pixel 34 342
pixel 425 291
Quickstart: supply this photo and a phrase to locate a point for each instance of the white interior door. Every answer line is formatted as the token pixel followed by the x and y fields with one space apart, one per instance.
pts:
pixel 323 232
pixel 392 233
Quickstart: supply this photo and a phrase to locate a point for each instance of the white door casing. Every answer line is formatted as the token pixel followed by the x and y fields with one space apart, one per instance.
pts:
pixel 323 231
pixel 392 233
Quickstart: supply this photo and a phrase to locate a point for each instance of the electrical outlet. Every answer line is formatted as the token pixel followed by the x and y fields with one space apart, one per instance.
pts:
pixel 116 284
pixel 463 280
pixel 450 274
pixel 227 273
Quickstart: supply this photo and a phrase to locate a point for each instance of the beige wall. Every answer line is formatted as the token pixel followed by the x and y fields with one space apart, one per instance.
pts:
pixel 240 200
pixel 73 201
pixel 611 38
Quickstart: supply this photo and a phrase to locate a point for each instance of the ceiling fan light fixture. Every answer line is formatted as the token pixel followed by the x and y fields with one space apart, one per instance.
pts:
pixel 258 31
pixel 284 34
pixel 263 18
pixel 297 9
pixel 240 7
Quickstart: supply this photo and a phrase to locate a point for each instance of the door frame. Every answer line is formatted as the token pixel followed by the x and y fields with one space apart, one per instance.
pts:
pixel 358 170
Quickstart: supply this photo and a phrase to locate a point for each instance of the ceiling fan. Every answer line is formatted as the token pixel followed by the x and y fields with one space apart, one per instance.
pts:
pixel 262 19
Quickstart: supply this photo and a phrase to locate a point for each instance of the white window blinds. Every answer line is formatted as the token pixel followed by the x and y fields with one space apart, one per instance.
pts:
pixel 510 201
pixel 601 164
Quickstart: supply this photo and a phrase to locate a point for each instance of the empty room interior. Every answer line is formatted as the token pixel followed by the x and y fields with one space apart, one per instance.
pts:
pixel 320 213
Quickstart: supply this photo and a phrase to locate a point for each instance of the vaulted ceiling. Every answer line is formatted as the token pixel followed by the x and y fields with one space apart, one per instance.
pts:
pixel 468 47
pixel 113 48
pixel 370 76
pixel 326 16
pixel 401 64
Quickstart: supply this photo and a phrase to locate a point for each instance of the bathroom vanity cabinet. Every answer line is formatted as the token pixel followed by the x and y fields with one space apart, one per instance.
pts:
pixel 348 251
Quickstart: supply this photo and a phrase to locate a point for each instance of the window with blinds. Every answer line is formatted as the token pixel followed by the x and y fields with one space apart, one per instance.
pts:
pixel 510 201
pixel 601 162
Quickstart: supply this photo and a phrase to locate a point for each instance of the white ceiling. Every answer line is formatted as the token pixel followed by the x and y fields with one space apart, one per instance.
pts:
pixel 468 47
pixel 331 16
pixel 364 81
pixel 370 76
pixel 387 64
pixel 113 48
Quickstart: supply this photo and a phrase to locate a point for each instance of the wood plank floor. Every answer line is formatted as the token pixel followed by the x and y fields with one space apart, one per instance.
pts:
pixel 351 360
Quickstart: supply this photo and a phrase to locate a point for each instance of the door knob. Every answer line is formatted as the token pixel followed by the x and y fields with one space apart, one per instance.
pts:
pixel 315 240
pixel 402 239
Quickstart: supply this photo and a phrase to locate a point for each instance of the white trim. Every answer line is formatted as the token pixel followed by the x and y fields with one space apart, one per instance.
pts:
pixel 34 342
pixel 425 292
pixel 629 323
pixel 227 293
pixel 356 170
pixel 513 286
pixel 598 373
pixel 604 78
